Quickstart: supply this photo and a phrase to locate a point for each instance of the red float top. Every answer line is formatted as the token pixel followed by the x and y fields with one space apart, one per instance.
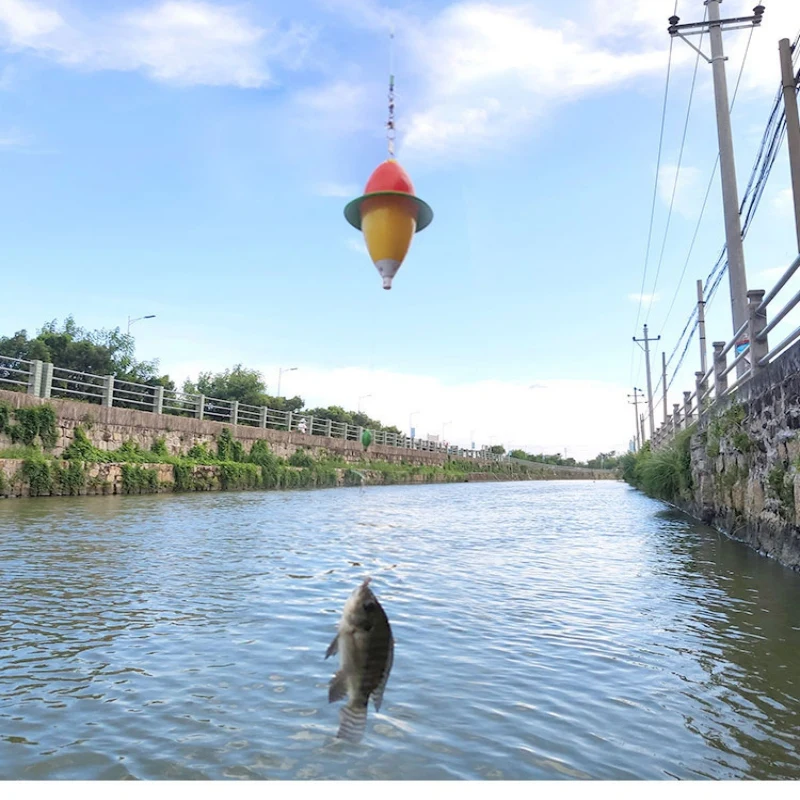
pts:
pixel 389 177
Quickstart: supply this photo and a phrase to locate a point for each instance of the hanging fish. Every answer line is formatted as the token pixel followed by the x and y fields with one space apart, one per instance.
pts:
pixel 365 646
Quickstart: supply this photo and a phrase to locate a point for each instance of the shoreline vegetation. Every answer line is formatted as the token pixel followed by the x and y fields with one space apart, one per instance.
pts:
pixel 27 469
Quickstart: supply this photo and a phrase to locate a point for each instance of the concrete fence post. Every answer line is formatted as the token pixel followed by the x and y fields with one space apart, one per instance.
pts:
pixel 47 380
pixel 359 433
pixel 700 389
pixel 759 347
pixel 35 378
pixel 676 416
pixel 311 426
pixel 234 412
pixel 720 364
pixel 200 409
pixel 158 400
pixel 262 417
pixel 289 421
pixel 108 391
pixel 328 424
pixel 687 408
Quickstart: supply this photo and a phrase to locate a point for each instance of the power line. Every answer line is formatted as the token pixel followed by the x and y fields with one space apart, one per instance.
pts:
pixel 721 259
pixel 765 158
pixel 677 169
pixel 655 190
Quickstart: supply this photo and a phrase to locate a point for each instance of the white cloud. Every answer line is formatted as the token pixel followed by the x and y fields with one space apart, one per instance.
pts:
pixel 492 69
pixel 555 414
pixel 342 106
pixel 783 201
pixel 12 139
pixel 357 246
pixel 688 190
pixel 348 190
pixel 772 274
pixel 182 42
pixel 26 21
pixel 644 299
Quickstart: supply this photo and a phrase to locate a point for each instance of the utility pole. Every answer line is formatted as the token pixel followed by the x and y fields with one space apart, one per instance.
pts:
pixel 641 423
pixel 647 341
pixel 701 322
pixel 727 167
pixel 636 395
pixel 664 382
pixel 789 82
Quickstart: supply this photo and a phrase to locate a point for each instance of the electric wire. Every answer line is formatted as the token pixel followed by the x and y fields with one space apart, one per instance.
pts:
pixel 677 171
pixel 718 268
pixel 655 191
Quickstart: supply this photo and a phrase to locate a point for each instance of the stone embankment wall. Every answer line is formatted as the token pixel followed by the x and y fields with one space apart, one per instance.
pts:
pixel 109 428
pixel 744 462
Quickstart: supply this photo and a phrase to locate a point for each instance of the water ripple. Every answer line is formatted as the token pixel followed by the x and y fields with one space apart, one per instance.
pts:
pixel 559 630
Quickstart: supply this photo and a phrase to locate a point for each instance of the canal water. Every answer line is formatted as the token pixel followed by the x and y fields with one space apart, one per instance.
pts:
pixel 553 630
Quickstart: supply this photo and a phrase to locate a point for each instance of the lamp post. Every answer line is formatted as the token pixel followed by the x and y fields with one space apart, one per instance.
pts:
pixel 411 426
pixel 136 319
pixel 444 425
pixel 281 370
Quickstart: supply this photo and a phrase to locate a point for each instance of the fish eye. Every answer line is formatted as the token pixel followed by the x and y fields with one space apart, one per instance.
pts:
pixel 369 606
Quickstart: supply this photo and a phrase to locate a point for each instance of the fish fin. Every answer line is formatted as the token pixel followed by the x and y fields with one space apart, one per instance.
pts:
pixel 333 647
pixel 377 695
pixel 337 688
pixel 352 723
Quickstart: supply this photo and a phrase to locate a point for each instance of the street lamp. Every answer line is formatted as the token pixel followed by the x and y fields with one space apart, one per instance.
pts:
pixel 281 370
pixel 362 397
pixel 131 321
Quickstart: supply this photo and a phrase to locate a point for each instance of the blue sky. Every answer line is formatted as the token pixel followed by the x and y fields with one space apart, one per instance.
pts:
pixel 192 159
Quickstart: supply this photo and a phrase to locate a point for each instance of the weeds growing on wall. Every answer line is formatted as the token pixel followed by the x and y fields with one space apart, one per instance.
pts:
pixel 780 487
pixel 32 426
pixel 728 424
pixel 232 467
pixel 138 480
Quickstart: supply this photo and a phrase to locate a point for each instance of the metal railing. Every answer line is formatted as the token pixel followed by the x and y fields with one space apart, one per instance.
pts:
pixel 753 352
pixel 43 379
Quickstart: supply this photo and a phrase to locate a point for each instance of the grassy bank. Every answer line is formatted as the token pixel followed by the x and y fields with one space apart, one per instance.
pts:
pixel 666 473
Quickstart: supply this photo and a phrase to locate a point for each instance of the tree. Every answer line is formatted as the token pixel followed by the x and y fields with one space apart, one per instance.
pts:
pixel 70 347
pixel 243 385
pixel 498 449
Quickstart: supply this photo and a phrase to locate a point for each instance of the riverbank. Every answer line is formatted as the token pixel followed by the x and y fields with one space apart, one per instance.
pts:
pixel 37 476
pixel 70 448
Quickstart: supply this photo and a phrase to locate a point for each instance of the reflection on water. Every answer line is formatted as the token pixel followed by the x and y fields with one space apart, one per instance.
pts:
pixel 555 630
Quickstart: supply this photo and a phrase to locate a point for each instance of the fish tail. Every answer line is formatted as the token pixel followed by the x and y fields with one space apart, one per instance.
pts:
pixel 352 723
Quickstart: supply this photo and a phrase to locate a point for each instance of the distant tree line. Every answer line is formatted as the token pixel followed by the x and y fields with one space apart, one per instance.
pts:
pixel 608 460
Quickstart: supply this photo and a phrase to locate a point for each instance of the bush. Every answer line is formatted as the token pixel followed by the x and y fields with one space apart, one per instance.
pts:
pixel 70 479
pixel 302 458
pixel 228 448
pixel 138 480
pixel 36 472
pixel 233 475
pixel 81 449
pixel 37 421
pixel 665 473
